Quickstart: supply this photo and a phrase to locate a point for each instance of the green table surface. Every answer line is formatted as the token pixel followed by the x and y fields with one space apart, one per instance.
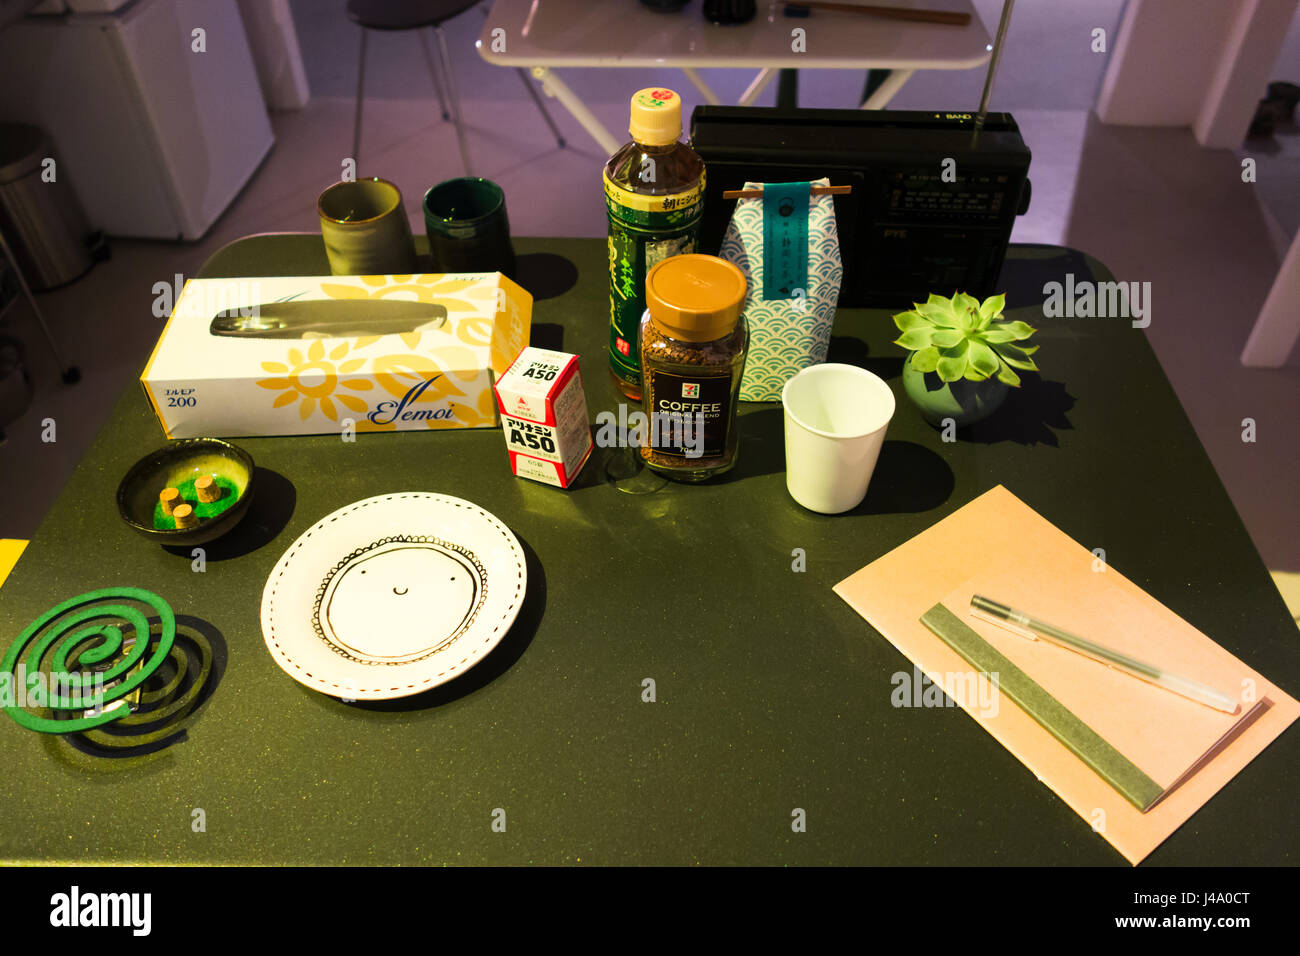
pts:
pixel 772 694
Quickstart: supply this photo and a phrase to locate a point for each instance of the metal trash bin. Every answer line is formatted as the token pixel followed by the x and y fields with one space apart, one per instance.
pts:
pixel 42 220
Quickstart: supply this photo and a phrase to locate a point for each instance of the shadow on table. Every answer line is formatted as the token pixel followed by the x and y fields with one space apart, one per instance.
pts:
pixel 908 478
pixel 762 444
pixel 545 275
pixel 171 699
pixel 1031 415
pixel 500 660
pixel 547 335
pixel 848 350
pixel 274 498
pixel 1035 266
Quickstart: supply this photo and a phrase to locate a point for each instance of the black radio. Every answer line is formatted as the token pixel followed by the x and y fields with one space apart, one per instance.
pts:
pixel 933 201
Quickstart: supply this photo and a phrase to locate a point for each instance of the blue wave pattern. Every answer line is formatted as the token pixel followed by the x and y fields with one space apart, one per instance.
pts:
pixel 785 336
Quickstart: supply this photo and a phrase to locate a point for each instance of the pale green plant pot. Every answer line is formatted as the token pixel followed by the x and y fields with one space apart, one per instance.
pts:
pixel 963 401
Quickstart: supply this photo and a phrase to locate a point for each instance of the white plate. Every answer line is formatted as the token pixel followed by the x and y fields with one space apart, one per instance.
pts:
pixel 393 595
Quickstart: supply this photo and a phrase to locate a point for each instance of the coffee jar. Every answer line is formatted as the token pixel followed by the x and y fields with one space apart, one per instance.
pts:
pixel 693 346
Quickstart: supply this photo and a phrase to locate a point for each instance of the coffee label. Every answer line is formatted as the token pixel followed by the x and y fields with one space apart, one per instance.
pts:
pixel 689 414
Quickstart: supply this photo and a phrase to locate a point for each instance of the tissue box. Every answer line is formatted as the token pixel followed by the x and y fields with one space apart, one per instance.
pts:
pixel 367 370
pixel 544 416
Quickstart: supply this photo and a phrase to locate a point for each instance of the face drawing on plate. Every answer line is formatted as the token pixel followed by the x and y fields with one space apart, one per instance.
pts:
pixel 399 600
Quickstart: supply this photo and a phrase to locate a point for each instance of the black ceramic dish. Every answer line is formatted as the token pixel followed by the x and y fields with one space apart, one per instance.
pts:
pixel 168 467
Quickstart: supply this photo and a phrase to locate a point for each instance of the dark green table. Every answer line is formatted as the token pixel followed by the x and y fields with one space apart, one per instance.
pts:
pixel 772 694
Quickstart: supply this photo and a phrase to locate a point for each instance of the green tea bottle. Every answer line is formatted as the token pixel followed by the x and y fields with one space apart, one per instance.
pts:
pixel 654 194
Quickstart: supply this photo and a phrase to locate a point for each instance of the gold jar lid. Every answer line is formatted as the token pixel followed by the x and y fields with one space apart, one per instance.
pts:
pixel 656 118
pixel 695 297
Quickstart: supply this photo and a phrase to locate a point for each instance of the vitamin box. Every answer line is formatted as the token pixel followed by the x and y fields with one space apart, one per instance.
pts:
pixel 544 416
pixel 426 363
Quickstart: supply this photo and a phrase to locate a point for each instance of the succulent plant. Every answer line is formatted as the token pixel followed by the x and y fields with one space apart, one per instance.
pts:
pixel 963 338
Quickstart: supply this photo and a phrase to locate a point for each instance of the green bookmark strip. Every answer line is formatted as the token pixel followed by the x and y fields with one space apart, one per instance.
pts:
pixel 1113 767
pixel 785 240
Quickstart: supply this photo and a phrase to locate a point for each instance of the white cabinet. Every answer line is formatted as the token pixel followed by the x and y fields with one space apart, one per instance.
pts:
pixel 159 126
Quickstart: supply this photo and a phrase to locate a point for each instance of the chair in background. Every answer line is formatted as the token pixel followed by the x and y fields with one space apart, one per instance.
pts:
pixel 399 15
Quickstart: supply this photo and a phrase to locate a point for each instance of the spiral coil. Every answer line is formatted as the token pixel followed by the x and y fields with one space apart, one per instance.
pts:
pixel 100 649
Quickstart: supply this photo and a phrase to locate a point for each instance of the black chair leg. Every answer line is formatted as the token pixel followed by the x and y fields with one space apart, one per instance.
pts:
pixel 449 82
pixel 433 72
pixel 361 95
pixel 787 89
pixel 541 106
pixel 875 79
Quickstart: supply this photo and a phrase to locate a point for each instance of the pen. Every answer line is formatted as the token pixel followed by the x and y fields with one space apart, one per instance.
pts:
pixel 1002 615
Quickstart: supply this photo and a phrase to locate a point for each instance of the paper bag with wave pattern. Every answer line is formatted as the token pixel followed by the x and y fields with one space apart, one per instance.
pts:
pixel 785 335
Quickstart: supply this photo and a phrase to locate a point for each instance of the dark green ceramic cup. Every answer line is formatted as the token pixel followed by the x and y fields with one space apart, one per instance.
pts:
pixel 467 227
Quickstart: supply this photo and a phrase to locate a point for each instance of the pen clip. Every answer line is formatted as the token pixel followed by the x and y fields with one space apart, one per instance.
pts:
pixel 1004 624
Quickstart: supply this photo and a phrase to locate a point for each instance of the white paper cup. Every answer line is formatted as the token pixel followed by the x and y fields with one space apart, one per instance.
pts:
pixel 835 421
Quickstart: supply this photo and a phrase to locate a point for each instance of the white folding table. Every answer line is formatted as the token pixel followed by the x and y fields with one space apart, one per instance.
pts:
pixel 543 35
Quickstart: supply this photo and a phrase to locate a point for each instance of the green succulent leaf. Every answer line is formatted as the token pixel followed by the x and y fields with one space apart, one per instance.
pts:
pixel 1018 357
pixel 996 335
pixel 939 311
pixel 983 359
pixel 910 320
pixel 915 339
pixel 951 369
pixel 992 306
pixel 967 308
pixel 974 375
pixel 1021 330
pixel 925 360
pixel 947 338
pixel 1008 377
pixel 953 362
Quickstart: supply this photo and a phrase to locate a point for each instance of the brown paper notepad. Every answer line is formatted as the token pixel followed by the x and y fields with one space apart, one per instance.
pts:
pixel 1132 759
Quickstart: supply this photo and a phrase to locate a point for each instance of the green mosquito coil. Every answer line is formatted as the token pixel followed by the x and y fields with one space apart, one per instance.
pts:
pixel 78 666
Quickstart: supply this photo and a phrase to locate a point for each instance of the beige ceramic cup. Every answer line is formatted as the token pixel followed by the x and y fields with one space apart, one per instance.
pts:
pixel 365 229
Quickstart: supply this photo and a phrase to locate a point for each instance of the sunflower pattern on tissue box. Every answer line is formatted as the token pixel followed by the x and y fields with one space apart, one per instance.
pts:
pixel 429 377
pixel 789 328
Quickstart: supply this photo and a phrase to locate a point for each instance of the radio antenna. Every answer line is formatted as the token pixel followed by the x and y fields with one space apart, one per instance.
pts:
pixel 993 63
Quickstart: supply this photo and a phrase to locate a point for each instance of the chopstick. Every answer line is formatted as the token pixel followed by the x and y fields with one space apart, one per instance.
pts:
pixel 950 17
pixel 816 191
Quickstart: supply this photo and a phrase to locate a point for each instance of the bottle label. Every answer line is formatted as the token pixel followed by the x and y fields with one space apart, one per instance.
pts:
pixel 655 213
pixel 689 414
pixel 631 256
pixel 643 230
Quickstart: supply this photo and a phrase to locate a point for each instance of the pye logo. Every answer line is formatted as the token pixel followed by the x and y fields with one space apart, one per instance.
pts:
pixel 75 909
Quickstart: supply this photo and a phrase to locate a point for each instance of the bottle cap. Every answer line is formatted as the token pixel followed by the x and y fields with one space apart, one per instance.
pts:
pixel 695 297
pixel 656 117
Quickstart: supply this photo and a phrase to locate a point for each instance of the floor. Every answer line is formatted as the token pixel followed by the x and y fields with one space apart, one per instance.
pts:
pixel 1147 202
